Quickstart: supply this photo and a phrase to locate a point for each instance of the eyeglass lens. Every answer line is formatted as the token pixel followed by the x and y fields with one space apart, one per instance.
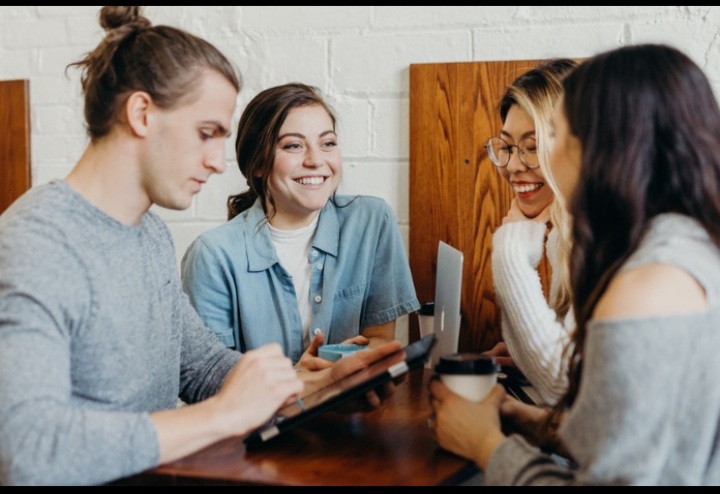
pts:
pixel 500 151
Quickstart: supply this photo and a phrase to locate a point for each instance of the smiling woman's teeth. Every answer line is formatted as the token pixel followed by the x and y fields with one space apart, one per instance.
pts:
pixel 310 180
pixel 527 187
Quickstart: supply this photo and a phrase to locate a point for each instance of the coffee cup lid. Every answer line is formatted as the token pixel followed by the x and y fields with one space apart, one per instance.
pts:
pixel 466 363
pixel 427 309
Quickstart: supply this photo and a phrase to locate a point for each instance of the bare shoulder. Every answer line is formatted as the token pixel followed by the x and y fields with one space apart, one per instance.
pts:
pixel 651 290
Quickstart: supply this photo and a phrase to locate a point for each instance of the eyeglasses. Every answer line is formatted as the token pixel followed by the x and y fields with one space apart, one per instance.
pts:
pixel 500 151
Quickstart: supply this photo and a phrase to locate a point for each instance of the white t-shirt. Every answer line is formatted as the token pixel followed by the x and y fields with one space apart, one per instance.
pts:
pixel 293 248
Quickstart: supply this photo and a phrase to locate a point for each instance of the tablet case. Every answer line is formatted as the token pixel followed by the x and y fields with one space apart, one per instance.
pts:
pixel 343 390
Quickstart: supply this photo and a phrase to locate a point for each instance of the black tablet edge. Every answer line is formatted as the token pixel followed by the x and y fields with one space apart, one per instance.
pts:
pixel 514 387
pixel 265 433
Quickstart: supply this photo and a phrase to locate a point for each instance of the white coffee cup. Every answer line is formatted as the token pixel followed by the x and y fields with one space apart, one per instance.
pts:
pixel 471 375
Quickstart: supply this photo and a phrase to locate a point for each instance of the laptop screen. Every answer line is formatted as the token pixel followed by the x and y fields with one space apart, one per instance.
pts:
pixel 448 289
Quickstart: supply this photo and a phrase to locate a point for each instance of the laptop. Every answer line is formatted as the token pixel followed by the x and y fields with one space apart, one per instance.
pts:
pixel 448 289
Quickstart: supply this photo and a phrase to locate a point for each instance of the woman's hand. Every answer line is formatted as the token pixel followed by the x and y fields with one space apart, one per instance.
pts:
pixel 522 418
pixel 514 214
pixel 358 361
pixel 471 430
pixel 531 422
pixel 502 355
pixel 311 362
pixel 355 364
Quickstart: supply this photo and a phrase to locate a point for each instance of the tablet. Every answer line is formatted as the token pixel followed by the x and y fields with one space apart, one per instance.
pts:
pixel 343 390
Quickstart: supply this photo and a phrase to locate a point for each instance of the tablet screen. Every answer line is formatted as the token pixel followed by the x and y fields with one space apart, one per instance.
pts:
pixel 351 386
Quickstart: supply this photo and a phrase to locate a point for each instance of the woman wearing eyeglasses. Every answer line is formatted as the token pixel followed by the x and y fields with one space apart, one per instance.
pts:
pixel 636 139
pixel 534 330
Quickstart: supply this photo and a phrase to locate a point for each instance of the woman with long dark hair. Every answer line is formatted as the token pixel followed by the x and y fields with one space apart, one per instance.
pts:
pixel 637 157
pixel 535 328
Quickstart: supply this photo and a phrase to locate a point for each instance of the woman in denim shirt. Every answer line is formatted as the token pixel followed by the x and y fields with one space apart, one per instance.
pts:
pixel 297 264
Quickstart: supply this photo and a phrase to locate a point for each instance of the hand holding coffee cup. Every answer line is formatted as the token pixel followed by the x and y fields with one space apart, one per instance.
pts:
pixel 471 375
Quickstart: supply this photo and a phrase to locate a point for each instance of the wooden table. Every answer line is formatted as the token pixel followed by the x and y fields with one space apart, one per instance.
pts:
pixel 390 445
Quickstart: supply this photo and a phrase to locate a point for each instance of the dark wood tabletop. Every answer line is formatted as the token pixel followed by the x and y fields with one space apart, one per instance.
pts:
pixel 390 445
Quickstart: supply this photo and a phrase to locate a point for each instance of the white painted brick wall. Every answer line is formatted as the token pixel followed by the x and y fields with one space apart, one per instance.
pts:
pixel 359 56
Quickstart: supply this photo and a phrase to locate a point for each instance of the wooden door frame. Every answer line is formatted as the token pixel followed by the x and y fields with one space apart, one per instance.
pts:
pixel 456 194
pixel 15 169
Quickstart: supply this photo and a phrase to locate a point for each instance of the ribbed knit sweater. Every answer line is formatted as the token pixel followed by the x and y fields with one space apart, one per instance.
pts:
pixel 530 327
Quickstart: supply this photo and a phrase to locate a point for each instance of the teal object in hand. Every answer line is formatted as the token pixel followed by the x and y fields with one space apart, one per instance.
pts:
pixel 338 351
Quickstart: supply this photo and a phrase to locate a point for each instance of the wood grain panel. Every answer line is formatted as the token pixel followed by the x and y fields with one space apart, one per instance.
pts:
pixel 456 194
pixel 14 141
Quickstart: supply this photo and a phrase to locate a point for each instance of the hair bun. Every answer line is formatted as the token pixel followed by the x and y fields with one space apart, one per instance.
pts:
pixel 115 17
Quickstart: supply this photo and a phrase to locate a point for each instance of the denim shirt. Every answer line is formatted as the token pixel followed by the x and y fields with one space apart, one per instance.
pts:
pixel 360 277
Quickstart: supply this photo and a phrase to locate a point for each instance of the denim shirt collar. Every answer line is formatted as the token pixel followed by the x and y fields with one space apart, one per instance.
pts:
pixel 260 251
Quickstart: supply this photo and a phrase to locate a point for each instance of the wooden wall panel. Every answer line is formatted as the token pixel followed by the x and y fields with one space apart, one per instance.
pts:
pixel 456 193
pixel 14 141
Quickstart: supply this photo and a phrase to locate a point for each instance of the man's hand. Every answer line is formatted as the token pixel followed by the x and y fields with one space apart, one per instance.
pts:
pixel 264 378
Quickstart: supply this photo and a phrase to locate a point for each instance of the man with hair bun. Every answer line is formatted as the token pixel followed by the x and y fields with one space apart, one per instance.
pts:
pixel 97 338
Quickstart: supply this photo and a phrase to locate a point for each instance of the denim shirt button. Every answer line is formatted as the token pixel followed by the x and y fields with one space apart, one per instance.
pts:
pixel 317 331
pixel 319 265
pixel 314 253
pixel 318 298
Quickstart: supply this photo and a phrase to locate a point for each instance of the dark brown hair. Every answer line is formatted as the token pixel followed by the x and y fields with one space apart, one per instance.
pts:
pixel 649 127
pixel 257 136
pixel 163 61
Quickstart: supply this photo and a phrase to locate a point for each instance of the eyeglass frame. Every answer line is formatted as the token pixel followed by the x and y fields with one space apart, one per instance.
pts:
pixel 520 152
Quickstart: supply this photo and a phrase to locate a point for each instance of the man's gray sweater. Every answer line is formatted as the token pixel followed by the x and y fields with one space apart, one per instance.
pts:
pixel 95 333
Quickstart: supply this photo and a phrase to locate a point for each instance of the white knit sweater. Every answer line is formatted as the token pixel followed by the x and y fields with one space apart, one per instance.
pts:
pixel 530 329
